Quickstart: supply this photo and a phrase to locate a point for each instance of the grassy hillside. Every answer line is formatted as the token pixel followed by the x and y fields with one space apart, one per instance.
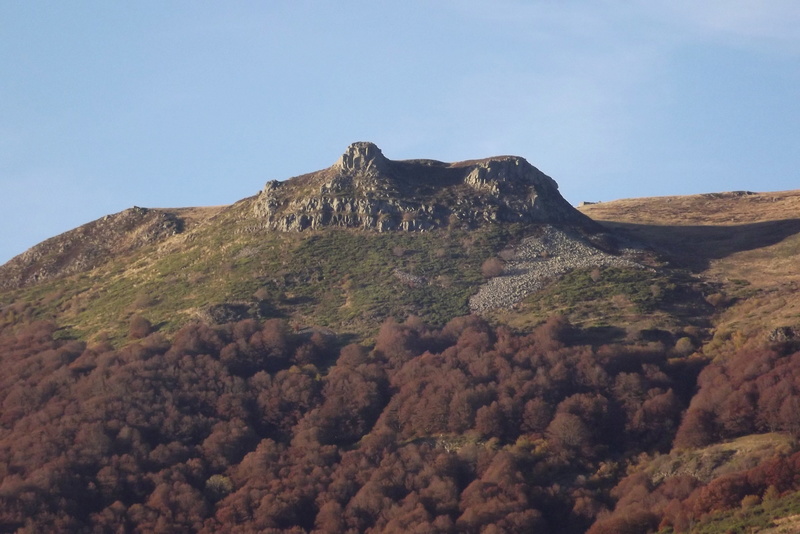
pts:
pixel 745 244
pixel 225 268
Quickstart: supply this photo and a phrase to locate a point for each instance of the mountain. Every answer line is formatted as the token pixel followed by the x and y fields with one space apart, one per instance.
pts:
pixel 363 189
pixel 398 237
pixel 407 346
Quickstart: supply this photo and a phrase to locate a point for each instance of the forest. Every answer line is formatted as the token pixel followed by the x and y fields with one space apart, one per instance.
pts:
pixel 255 426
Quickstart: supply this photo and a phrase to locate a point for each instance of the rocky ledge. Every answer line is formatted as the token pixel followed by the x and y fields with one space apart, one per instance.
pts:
pixel 364 189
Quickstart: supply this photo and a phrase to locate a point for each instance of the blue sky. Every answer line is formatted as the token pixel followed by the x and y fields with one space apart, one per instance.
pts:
pixel 105 105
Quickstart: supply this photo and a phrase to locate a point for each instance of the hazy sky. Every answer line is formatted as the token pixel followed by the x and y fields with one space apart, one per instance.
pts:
pixel 109 104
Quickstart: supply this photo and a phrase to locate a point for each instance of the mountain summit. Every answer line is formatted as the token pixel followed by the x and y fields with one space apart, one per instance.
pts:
pixel 364 189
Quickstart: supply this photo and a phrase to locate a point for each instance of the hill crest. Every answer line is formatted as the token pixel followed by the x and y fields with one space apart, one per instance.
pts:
pixel 89 245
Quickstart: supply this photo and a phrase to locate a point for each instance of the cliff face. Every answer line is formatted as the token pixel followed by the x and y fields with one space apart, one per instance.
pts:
pixel 364 189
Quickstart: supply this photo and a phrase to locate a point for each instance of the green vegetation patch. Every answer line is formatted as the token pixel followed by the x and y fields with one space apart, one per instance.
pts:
pixel 345 279
pixel 348 276
pixel 754 515
pixel 609 295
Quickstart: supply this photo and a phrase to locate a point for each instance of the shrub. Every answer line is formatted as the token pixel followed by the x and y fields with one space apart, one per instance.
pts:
pixel 684 346
pixel 139 327
pixel 492 267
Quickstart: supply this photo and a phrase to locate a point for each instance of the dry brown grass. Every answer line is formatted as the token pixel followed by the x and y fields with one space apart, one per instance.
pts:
pixel 747 242
pixel 723 209
pixel 701 230
pixel 784 525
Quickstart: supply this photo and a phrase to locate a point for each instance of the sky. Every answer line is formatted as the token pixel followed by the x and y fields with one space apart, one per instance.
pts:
pixel 108 104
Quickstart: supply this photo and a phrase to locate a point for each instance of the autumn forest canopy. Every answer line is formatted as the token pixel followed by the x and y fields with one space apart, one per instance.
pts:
pixel 254 427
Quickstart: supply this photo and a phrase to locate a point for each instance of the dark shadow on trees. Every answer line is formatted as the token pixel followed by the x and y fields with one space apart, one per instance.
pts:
pixel 600 335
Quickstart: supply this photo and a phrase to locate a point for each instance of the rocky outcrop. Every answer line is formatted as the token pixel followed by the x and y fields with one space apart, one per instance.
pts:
pixel 364 189
pixel 784 334
pixel 363 158
pixel 89 246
